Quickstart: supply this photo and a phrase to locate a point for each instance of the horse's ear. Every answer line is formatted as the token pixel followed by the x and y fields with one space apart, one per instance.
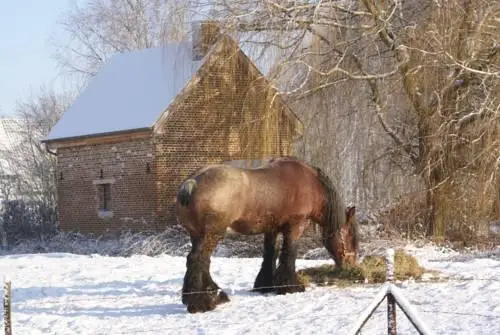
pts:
pixel 351 211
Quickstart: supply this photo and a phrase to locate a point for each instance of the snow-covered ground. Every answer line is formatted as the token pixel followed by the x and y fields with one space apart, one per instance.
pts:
pixel 76 294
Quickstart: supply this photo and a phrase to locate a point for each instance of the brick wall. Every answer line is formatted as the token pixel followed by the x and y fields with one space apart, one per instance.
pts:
pixel 230 115
pixel 133 192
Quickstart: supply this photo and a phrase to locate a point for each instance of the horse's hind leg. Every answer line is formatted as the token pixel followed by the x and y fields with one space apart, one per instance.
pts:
pixel 264 281
pixel 222 296
pixel 199 292
pixel 285 278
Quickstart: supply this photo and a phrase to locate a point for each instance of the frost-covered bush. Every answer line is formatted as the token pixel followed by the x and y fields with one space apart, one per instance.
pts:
pixel 21 220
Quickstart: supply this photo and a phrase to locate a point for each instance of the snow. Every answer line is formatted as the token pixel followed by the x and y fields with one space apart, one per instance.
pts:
pixel 62 293
pixel 130 92
pixel 134 88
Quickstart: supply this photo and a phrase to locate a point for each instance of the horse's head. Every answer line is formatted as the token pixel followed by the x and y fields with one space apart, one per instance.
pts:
pixel 350 238
pixel 344 244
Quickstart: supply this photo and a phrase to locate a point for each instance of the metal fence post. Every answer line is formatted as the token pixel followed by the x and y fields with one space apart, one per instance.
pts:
pixel 391 301
pixel 7 307
pixel 394 297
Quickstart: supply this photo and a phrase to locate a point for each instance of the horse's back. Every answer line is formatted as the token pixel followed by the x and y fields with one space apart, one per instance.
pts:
pixel 252 199
pixel 287 188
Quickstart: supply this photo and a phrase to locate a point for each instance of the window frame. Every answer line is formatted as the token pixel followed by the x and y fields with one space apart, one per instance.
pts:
pixel 104 198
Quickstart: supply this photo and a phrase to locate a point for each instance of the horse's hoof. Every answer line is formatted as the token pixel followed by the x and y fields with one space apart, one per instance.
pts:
pixel 199 308
pixel 264 282
pixel 295 288
pixel 287 283
pixel 202 305
pixel 201 302
pixel 222 298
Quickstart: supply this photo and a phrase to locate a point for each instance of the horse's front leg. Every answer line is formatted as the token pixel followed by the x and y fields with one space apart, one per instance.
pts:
pixel 264 281
pixel 199 292
pixel 285 278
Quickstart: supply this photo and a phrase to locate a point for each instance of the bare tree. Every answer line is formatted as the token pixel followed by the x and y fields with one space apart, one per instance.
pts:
pixel 412 84
pixel 29 193
pixel 100 28
pixel 34 167
pixel 450 69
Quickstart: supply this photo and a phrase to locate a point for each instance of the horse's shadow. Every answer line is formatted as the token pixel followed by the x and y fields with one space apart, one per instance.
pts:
pixel 107 289
pixel 101 311
pixel 76 299
pixel 31 300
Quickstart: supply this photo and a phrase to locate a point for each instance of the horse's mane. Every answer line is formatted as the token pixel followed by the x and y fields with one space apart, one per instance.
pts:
pixel 335 216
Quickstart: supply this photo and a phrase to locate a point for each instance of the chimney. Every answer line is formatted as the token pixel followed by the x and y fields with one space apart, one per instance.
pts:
pixel 205 34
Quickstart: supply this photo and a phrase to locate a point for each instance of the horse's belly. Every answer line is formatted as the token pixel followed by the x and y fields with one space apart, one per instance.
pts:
pixel 246 227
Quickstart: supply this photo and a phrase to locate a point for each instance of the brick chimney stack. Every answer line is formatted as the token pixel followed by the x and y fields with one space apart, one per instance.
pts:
pixel 205 33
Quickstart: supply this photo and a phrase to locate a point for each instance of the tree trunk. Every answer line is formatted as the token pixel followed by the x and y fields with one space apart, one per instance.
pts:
pixel 496 200
pixel 437 215
pixel 434 174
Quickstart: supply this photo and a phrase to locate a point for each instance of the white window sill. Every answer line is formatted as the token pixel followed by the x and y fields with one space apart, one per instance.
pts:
pixel 105 214
pixel 104 181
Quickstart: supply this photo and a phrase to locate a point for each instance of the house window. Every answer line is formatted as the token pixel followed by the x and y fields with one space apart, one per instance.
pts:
pixel 104 197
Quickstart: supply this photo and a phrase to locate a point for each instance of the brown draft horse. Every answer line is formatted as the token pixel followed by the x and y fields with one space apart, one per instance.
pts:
pixel 280 197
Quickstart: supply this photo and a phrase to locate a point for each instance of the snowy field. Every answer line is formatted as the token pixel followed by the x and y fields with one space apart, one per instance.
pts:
pixel 74 294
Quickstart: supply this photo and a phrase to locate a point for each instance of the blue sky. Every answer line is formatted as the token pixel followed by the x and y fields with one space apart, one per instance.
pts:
pixel 25 52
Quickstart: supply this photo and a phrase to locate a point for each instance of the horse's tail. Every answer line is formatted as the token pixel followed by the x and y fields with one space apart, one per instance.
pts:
pixel 186 191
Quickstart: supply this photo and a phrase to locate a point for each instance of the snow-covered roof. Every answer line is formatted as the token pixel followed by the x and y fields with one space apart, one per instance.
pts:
pixel 130 92
pixel 134 88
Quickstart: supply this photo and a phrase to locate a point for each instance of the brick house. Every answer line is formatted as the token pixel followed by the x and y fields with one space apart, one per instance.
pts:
pixel 150 117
